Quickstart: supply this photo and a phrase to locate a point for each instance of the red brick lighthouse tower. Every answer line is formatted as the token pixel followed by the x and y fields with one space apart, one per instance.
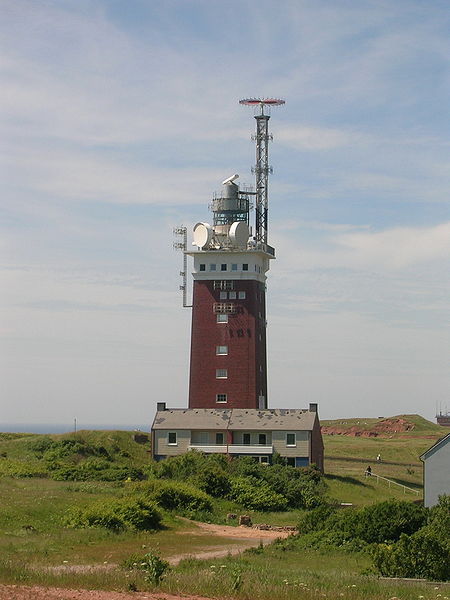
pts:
pixel 228 341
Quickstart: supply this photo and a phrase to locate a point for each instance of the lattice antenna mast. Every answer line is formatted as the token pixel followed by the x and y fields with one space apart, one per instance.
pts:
pixel 262 167
pixel 181 234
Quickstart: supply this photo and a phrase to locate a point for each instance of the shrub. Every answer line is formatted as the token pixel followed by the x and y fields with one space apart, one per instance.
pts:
pixel 174 495
pixel 315 519
pixel 151 563
pixel 256 494
pixel 125 513
pixel 418 555
pixel 214 481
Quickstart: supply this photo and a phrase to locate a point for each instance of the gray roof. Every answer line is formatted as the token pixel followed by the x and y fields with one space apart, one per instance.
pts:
pixel 436 446
pixel 284 419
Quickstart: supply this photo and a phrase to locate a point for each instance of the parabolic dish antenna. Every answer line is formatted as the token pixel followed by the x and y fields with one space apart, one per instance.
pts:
pixel 239 234
pixel 202 234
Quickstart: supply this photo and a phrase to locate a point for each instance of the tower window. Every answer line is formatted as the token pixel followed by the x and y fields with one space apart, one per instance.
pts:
pixel 223 267
pixel 221 349
pixel 222 318
pixel 245 267
pixel 212 267
pixel 221 373
pixel 221 398
pixel 223 295
pixel 232 296
pixel 234 267
pixel 172 438
pixel 241 295
pixel 202 267
pixel 223 285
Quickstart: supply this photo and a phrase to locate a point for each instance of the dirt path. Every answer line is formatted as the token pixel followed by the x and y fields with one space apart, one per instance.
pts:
pixel 20 592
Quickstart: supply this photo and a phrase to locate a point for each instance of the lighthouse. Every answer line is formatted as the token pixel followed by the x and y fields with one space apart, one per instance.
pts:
pixel 231 258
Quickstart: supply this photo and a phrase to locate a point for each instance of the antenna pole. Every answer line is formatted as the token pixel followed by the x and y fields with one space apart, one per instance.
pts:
pixel 262 167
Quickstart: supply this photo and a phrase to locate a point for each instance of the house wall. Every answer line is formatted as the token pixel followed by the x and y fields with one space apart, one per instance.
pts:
pixel 437 474
pixel 238 437
pixel 207 438
pixel 300 449
pixel 162 448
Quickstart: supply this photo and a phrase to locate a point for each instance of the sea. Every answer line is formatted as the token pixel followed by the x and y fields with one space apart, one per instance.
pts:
pixel 68 427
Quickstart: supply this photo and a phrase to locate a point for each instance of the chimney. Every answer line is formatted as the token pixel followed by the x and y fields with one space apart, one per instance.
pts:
pixel 312 407
pixel 160 406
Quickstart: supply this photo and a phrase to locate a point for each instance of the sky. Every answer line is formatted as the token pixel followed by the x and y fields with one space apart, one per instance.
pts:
pixel 120 120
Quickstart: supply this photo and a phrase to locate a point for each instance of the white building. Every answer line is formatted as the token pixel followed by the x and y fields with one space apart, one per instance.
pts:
pixel 436 471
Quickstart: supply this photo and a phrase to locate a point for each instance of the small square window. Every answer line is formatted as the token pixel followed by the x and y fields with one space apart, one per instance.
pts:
pixel 290 439
pixel 172 438
pixel 219 439
pixel 223 295
pixel 221 373
pixel 232 296
pixel 245 267
pixel 222 318
pixel 246 439
pixel 212 267
pixel 241 296
pixel 202 267
pixel 221 398
pixel 234 267
pixel 221 349
pixel 223 267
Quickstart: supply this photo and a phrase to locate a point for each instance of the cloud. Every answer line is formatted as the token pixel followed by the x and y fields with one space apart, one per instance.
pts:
pixel 399 247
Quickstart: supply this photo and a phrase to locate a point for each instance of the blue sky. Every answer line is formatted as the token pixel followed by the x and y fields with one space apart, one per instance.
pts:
pixel 120 120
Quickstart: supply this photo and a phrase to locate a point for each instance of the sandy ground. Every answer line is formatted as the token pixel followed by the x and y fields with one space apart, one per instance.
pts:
pixel 247 537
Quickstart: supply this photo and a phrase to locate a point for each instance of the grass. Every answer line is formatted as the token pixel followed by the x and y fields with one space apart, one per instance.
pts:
pixel 34 546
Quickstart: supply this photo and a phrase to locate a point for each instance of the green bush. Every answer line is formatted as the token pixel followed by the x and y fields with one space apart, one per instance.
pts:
pixel 256 494
pixel 125 513
pixel 214 481
pixel 417 555
pixel 174 495
pixel 378 523
pixel 315 519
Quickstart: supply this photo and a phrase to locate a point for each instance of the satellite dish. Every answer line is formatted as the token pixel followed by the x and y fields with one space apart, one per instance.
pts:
pixel 230 179
pixel 202 235
pixel 239 234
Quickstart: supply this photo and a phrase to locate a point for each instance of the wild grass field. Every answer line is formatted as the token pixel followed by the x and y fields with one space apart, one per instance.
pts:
pixel 36 546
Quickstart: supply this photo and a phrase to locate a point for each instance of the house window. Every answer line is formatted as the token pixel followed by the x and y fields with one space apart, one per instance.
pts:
pixel 245 267
pixel 223 295
pixel 223 267
pixel 221 398
pixel 222 318
pixel 264 460
pixel 221 350
pixel 290 460
pixel 172 438
pixel 262 439
pixel 232 296
pixel 221 373
pixel 219 439
pixel 234 267
pixel 212 267
pixel 241 295
pixel 246 439
pixel 290 439
pixel 202 267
